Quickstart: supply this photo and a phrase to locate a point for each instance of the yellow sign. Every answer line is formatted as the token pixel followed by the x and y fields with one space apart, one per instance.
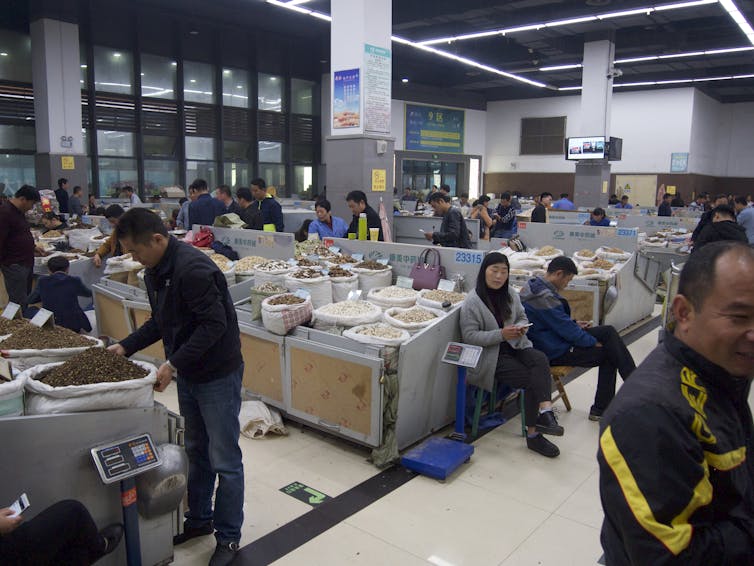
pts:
pixel 604 187
pixel 67 163
pixel 670 189
pixel 379 180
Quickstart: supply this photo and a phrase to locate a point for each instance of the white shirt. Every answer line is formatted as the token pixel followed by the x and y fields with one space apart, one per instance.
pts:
pixel 135 199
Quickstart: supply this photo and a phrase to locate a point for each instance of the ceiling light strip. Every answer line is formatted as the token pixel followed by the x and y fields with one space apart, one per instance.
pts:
pixel 739 18
pixel 669 82
pixel 570 21
pixel 293 5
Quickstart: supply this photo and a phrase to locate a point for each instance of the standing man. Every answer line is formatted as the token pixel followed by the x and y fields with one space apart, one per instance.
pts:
pixel 745 217
pixel 75 206
pixel 573 343
pixel 17 244
pixel 223 194
pixel 193 314
pixel 249 214
pixel 129 193
pixel 676 444
pixel 61 194
pixel 505 218
pixel 272 212
pixel 665 206
pixel 357 202
pixel 111 246
pixel 564 203
pixel 453 232
pixel 539 214
pixel 203 209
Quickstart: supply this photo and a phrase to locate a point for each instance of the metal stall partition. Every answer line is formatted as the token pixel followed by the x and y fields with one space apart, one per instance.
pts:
pixel 555 216
pixel 139 312
pixel 407 229
pixel 272 245
pixel 571 239
pixel 650 225
pixel 113 319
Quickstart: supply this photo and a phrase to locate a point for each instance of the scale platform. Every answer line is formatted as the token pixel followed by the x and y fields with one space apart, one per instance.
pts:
pixel 437 457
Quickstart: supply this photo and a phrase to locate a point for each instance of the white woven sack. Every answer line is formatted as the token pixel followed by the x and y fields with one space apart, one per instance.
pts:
pixel 12 397
pixel 230 275
pixel 578 257
pixel 324 317
pixel 80 238
pixel 377 297
pixel 22 360
pixel 601 275
pixel 320 289
pixel 372 279
pixel 353 334
pixel 613 256
pixel 548 257
pixel 275 277
pixel 43 399
pixel 341 286
pixel 280 319
pixel 524 260
pixel 121 263
pixel 411 328
pixel 423 301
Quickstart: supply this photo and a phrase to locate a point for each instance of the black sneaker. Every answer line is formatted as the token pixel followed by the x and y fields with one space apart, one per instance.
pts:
pixel 541 445
pixel 595 414
pixel 193 532
pixel 111 535
pixel 547 423
pixel 224 554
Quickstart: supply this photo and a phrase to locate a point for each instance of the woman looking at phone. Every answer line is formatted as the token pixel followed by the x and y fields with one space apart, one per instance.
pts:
pixel 492 317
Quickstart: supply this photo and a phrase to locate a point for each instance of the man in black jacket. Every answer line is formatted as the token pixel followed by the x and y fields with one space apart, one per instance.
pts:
pixel 539 214
pixel 665 208
pixel 357 202
pixel 193 314
pixel 676 444
pixel 722 227
pixel 707 216
pixel 453 232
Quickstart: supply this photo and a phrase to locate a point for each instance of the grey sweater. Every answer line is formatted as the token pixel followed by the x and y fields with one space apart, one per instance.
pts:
pixel 479 327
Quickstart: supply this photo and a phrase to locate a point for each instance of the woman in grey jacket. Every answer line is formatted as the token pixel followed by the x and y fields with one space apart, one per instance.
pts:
pixel 492 317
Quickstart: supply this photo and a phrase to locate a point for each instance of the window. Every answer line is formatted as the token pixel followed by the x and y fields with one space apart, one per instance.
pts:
pixel 303 182
pixel 270 96
pixel 15 56
pixel 120 144
pixel 236 150
pixel 200 148
pixel 17 171
pixel 159 146
pixel 17 138
pixel 198 82
pixel 235 88
pixel 114 173
pixel 270 152
pixel 206 170
pixel 302 97
pixel 274 176
pixel 158 77
pixel 159 174
pixel 236 174
pixel 113 70
pixel 542 136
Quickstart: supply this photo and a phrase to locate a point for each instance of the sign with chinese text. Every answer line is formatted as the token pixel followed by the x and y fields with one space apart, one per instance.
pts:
pixel 377 89
pixel 679 162
pixel 67 162
pixel 433 128
pixel 346 100
pixel 379 180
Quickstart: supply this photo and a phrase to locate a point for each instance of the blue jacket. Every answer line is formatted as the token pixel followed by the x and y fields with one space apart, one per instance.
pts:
pixel 746 219
pixel 272 212
pixel 563 204
pixel 604 222
pixel 204 210
pixel 553 330
pixel 339 228
pixel 59 293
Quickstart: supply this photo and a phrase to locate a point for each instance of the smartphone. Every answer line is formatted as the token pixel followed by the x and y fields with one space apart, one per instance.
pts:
pixel 20 505
pixel 420 230
pixel 526 325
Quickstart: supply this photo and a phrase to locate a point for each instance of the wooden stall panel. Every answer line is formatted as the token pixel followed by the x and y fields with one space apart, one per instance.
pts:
pixel 332 389
pixel 263 373
pixel 112 320
pixel 156 350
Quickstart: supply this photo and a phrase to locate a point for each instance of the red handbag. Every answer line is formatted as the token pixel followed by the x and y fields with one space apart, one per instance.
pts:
pixel 427 272
pixel 204 238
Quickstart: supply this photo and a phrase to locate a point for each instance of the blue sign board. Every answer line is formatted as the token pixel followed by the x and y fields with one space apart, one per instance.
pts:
pixel 433 128
pixel 679 162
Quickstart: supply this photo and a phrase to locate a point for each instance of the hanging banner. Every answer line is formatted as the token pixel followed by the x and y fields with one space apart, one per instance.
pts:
pixel 377 89
pixel 346 99
pixel 433 128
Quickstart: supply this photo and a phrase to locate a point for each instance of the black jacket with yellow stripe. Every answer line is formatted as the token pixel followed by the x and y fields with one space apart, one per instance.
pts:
pixel 676 461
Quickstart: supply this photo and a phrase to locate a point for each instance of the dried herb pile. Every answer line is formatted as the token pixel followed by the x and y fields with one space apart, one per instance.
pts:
pixel 95 365
pixel 31 337
pixel 10 326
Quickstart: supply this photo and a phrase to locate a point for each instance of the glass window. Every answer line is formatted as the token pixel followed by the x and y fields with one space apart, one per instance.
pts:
pixel 274 176
pixel 198 82
pixel 303 182
pixel 114 173
pixel 159 174
pixel 82 65
pixel 236 150
pixel 302 153
pixel 270 96
pixel 270 152
pixel 158 76
pixel 113 70
pixel 17 138
pixel 119 144
pixel 15 56
pixel 236 174
pixel 17 171
pixel 200 148
pixel 235 88
pixel 206 170
pixel 302 93
pixel 159 146
pixel 85 140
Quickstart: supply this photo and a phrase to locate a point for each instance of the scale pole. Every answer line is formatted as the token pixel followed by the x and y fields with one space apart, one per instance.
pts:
pixel 461 403
pixel 130 521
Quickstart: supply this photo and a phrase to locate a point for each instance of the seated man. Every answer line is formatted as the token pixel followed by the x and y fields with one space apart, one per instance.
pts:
pixel 59 293
pixel 111 246
pixel 52 221
pixel 570 343
pixel 598 218
pixel 722 227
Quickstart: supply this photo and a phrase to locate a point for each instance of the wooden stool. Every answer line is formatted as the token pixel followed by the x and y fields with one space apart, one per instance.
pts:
pixel 559 372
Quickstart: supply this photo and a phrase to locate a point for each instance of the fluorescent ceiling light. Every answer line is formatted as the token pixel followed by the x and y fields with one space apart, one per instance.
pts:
pixel 739 18
pixel 669 82
pixel 561 67
pixel 678 5
pixel 293 5
pixel 569 88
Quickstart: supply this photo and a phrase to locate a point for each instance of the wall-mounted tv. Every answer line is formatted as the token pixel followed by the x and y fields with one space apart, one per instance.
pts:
pixel 577 149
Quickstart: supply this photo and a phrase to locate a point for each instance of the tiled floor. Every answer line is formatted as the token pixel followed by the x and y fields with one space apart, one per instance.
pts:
pixel 507 506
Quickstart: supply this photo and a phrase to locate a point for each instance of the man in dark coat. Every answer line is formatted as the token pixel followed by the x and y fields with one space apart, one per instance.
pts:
pixel 722 227
pixel 59 293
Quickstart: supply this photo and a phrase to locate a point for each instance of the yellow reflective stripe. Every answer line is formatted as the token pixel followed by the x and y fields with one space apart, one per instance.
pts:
pixel 675 537
pixel 726 461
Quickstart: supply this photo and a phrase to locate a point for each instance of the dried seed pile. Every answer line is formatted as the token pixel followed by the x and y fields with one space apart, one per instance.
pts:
pixel 95 365
pixel 348 308
pixel 269 288
pixel 307 263
pixel 339 272
pixel 371 264
pixel 222 262
pixel 599 264
pixel 34 338
pixel 274 265
pixel 416 315
pixel 545 251
pixel 341 259
pixel 246 264
pixel 441 296
pixel 380 330
pixel 307 273
pixel 395 292
pixel 52 234
pixel 285 300
pixel 586 253
pixel 10 326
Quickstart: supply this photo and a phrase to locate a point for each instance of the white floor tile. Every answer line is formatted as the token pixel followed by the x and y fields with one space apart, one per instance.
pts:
pixel 584 506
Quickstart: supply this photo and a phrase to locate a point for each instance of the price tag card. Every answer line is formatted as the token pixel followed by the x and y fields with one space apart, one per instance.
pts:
pixel 358 257
pixel 325 272
pixel 354 295
pixel 11 311
pixel 446 285
pixel 383 261
pixel 302 293
pixel 5 370
pixel 405 282
pixel 334 249
pixel 43 319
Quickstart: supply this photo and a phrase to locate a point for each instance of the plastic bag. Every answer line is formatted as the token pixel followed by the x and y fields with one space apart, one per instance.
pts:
pixel 411 327
pixel 372 279
pixel 356 334
pixel 80 238
pixel 342 286
pixel 281 319
pixel 320 288
pixel 257 419
pixel 328 315
pixel 12 397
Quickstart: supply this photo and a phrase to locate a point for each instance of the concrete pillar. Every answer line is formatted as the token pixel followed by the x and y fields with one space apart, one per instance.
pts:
pixel 360 145
pixel 57 103
pixel 596 96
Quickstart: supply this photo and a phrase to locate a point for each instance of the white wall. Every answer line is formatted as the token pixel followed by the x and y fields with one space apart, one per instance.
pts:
pixel 709 138
pixel 735 151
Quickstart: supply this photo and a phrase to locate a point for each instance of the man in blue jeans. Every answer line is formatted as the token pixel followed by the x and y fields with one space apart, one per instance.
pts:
pixel 193 314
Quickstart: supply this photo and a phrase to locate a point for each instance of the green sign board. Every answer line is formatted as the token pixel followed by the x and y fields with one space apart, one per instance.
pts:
pixel 434 128
pixel 305 493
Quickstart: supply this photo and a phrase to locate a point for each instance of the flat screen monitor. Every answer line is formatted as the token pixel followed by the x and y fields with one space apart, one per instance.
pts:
pixel 592 147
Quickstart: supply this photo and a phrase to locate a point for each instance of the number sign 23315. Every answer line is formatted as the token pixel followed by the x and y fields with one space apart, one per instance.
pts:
pixel 468 257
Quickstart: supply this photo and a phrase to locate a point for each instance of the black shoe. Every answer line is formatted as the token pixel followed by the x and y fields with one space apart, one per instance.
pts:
pixel 547 423
pixel 595 414
pixel 111 534
pixel 193 532
pixel 224 554
pixel 541 445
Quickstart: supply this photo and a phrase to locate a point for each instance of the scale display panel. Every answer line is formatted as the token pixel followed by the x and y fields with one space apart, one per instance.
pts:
pixel 464 355
pixel 125 458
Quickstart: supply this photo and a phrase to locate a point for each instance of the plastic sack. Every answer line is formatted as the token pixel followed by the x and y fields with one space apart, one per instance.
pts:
pixel 613 254
pixel 320 288
pixel 121 264
pixel 328 315
pixel 257 419
pixel 425 299
pixel 42 399
pixel 524 260
pixel 281 319
pixel 382 297
pixel 356 334
pixel 22 360
pixel 80 238
pixel 411 327
pixel 342 286
pixel 546 253
pixel 12 397
pixel 257 296
pixel 373 279
pixel 276 277
pixel 585 255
